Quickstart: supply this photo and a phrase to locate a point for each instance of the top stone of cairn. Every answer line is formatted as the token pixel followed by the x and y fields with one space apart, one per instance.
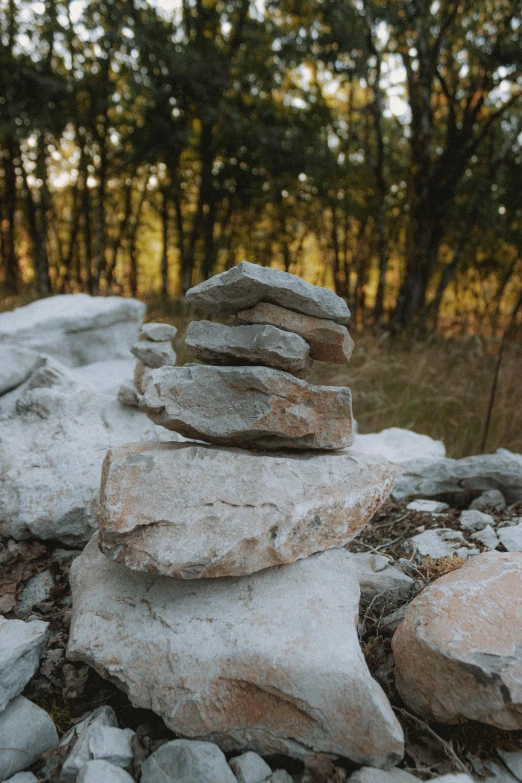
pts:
pixel 248 284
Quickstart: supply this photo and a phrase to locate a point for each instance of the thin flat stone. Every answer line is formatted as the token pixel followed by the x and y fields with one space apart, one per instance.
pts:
pixel 158 333
pixel 328 341
pixel 257 344
pixel 256 407
pixel 154 355
pixel 248 284
pixel 192 511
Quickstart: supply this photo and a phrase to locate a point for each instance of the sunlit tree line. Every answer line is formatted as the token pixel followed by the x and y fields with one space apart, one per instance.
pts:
pixel 369 145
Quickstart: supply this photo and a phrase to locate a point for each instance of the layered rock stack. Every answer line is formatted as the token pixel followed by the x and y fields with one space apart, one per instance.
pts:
pixel 153 349
pixel 208 593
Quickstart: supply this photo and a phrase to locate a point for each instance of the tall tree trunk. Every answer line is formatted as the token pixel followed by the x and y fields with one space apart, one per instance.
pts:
pixel 165 243
pixel 42 258
pixel 11 261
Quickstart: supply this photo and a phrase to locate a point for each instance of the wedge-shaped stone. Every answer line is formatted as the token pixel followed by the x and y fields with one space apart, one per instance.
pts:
pixel 329 342
pixel 458 652
pixel 248 284
pixel 249 406
pixel 257 344
pixel 269 662
pixel 190 510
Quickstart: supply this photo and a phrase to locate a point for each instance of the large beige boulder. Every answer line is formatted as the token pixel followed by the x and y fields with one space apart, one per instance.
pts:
pixel 256 407
pixel 329 342
pixel 246 284
pixel 191 510
pixel 458 652
pixel 268 662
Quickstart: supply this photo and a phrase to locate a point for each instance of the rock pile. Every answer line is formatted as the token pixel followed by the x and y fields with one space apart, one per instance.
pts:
pixel 270 661
pixel 153 350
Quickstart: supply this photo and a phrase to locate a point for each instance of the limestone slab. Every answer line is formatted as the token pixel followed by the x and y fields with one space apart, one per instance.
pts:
pixel 269 662
pixel 213 343
pixel 26 731
pixel 190 510
pixel 181 760
pixel 255 407
pixel 248 284
pixel 328 341
pixel 457 653
pixel 154 354
pixel 157 332
pixel 21 645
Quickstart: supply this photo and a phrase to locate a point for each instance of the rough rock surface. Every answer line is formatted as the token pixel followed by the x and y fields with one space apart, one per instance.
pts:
pixel 101 771
pixel 459 481
pixel 111 744
pixel 105 377
pixel 37 589
pixel 16 365
pixel 51 453
pixel 475 520
pixel 23 777
pixel 250 768
pixel 75 328
pixel 427 506
pixel 21 645
pixel 487 537
pixel 190 510
pixel 157 332
pixel 213 343
pixel 249 406
pixel 248 284
pixel 26 731
pixel 328 341
pixel 457 653
pixel 442 542
pixel 154 355
pixel 513 761
pixel 491 500
pixel 182 760
pixel 377 577
pixel 401 446
pixel 269 662
pixel 80 754
pixel 511 537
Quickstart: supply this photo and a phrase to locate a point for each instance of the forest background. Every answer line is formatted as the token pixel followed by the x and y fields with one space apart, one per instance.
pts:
pixel 372 146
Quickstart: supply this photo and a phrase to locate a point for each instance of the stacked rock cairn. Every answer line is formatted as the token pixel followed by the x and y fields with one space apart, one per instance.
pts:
pixel 218 591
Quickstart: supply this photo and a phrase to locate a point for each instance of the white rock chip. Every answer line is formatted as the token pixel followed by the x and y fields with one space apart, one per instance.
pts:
pixel 280 776
pixel 82 732
pixel 377 577
pixel 51 453
pixel 401 446
pixel 453 777
pixel 23 777
pixel 250 768
pixel 513 761
pixel 21 645
pixel 26 731
pixel 427 506
pixel 458 481
pixel 111 744
pixel 269 662
pixel 75 328
pixel 184 760
pixel 36 590
pixel 475 520
pixel 154 355
pixel 250 407
pixel 442 542
pixel 247 284
pixel 157 332
pixel 103 772
pixel 492 500
pixel 16 365
pixel 213 343
pixel 487 537
pixel 191 510
pixel 457 653
pixel 372 775
pixel 511 537
pixel 129 395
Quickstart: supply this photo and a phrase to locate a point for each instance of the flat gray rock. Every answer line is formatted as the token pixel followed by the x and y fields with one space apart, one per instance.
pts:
pixel 269 662
pixel 491 500
pixel 378 578
pixel 36 590
pixel 256 407
pixel 51 454
pixel 111 744
pixel 26 731
pixel 511 537
pixel 475 520
pixel 77 329
pixel 401 446
pixel 250 768
pixel 181 761
pixel 248 284
pixel 427 506
pixel 157 332
pixel 442 542
pixel 81 735
pixel 513 761
pixel 16 365
pixel 21 646
pixel 213 343
pixel 191 511
pixel 100 771
pixel 23 777
pixel 458 481
pixel 487 537
pixel 328 341
pixel 154 355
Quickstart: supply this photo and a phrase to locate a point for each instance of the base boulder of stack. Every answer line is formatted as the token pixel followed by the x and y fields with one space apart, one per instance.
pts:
pixel 190 510
pixel 269 662
pixel 256 407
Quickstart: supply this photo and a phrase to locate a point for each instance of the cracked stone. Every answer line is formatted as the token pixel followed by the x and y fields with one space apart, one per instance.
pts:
pixel 269 662
pixel 191 510
pixel 256 407
pixel 458 652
